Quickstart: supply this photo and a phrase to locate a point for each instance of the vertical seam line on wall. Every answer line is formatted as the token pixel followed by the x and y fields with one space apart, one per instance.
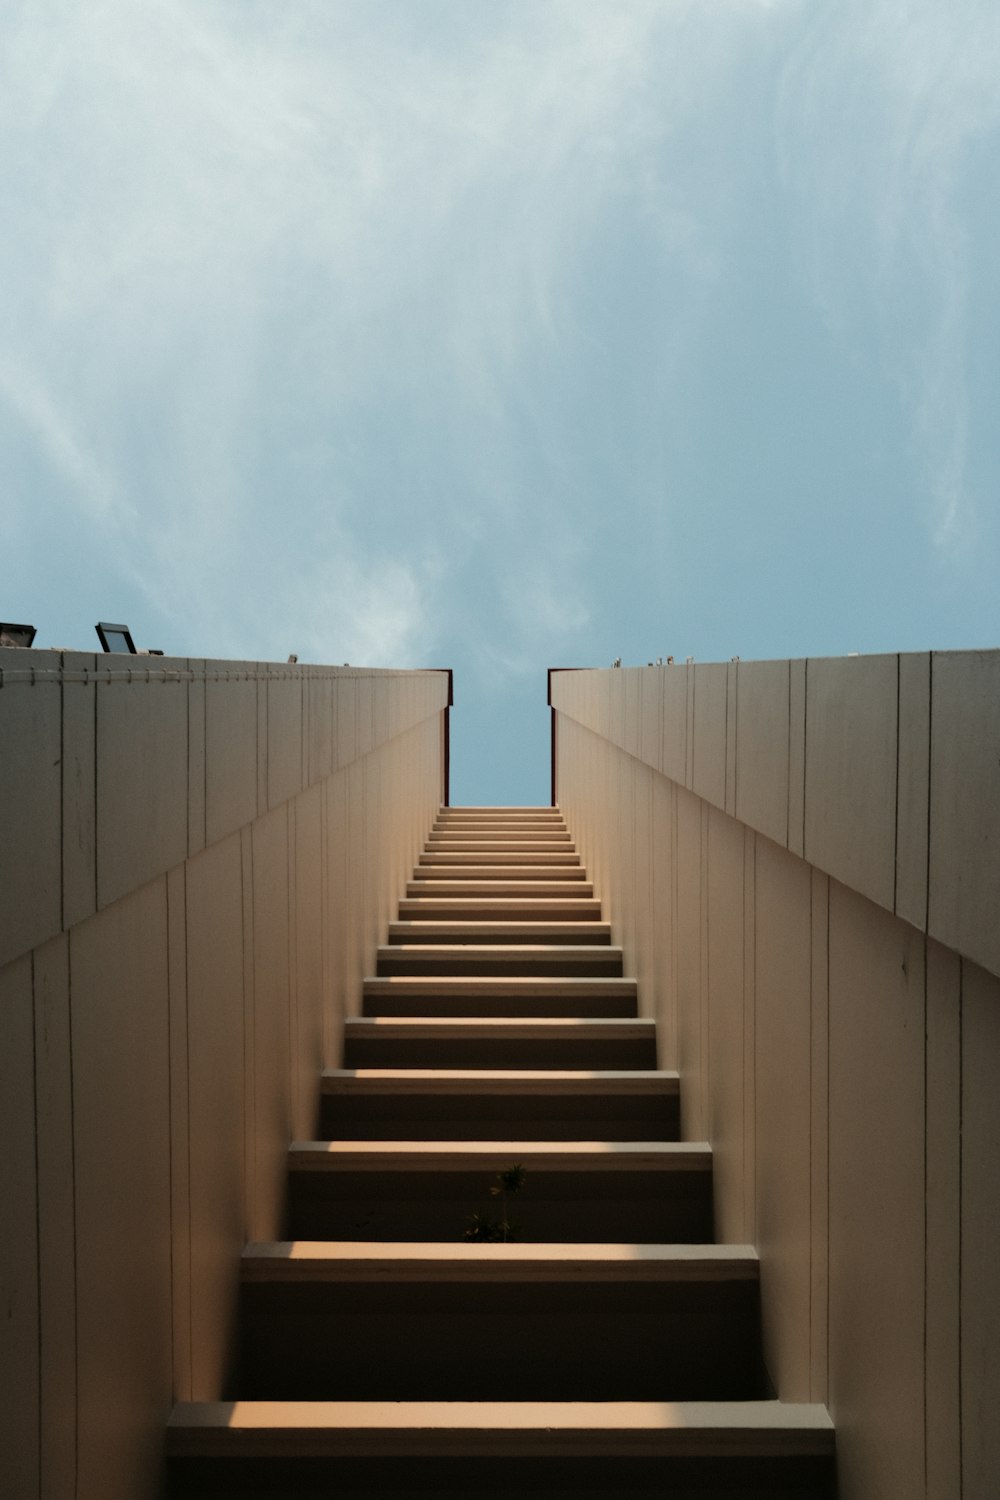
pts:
pixel 204 785
pixel 703 944
pixel 895 837
pixel 170 1124
pixel 788 762
pixel 828 1134
pixel 736 739
pixel 805 699
pixel 725 754
pixel 187 1095
pixel 805 762
pixel 97 841
pixel 291 856
pixel 812 1079
pixel 743 1026
pixel 926 1234
pixel 62 817
pixel 756 1091
pixel 961 1211
pixel 187 832
pixel 706 1005
pixel 72 1132
pixel 324 886
pixel 38 1212
pixel 243 963
pixel 930 786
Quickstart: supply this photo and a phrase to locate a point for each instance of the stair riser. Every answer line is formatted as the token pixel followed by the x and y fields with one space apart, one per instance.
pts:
pixel 516 871
pixel 550 887
pixel 639 1052
pixel 522 933
pixel 501 836
pixel 621 1007
pixel 502 966
pixel 442 843
pixel 567 1341
pixel 593 1476
pixel 526 911
pixel 497 855
pixel 510 1117
pixel 546 818
pixel 670 1207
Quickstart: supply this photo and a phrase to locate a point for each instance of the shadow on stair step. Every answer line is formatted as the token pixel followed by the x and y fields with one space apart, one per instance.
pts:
pixel 592 1478
pixel 577 1340
pixel 674 1208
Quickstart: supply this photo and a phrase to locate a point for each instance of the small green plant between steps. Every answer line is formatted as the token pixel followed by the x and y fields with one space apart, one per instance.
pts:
pixel 487 1227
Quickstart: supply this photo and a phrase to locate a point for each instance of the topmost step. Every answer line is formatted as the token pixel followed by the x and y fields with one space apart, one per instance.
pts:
pixel 517 813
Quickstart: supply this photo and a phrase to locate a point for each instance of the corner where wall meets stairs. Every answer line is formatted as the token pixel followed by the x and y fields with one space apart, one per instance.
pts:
pixel 606 1347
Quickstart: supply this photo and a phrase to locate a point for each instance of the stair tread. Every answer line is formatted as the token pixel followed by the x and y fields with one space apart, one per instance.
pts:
pixel 496 1156
pixel 488 871
pixel 357 1260
pixel 556 839
pixel 545 905
pixel 558 832
pixel 733 1428
pixel 557 952
pixel 504 855
pixel 487 929
pixel 496 886
pixel 526 1081
pixel 562 1027
pixel 492 984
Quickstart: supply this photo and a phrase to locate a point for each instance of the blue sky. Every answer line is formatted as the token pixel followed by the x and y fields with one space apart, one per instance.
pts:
pixel 501 334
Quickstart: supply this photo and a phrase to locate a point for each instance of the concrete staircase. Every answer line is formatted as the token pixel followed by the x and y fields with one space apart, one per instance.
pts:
pixel 612 1348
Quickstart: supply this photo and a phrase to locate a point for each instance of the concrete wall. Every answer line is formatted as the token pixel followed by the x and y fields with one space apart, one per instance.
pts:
pixel 802 861
pixel 196 871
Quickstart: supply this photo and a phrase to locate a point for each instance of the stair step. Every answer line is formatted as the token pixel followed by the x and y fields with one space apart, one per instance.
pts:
pixel 486 870
pixel 499 908
pixel 492 1042
pixel 532 1429
pixel 449 1104
pixel 657 1192
pixel 486 1083
pixel 462 836
pixel 552 842
pixel 355 1260
pixel 501 815
pixel 574 933
pixel 505 959
pixel 478 987
pixel 499 809
pixel 344 1320
pixel 501 854
pixel 525 1029
pixel 507 883
pixel 381 997
pixel 492 996
pixel 526 834
pixel 486 829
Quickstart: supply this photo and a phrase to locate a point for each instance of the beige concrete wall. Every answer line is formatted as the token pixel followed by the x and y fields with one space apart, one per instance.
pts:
pixel 820 952
pixel 196 870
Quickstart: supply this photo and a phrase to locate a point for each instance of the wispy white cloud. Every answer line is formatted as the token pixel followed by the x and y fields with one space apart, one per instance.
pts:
pixel 36 409
pixel 882 108
pixel 243 227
